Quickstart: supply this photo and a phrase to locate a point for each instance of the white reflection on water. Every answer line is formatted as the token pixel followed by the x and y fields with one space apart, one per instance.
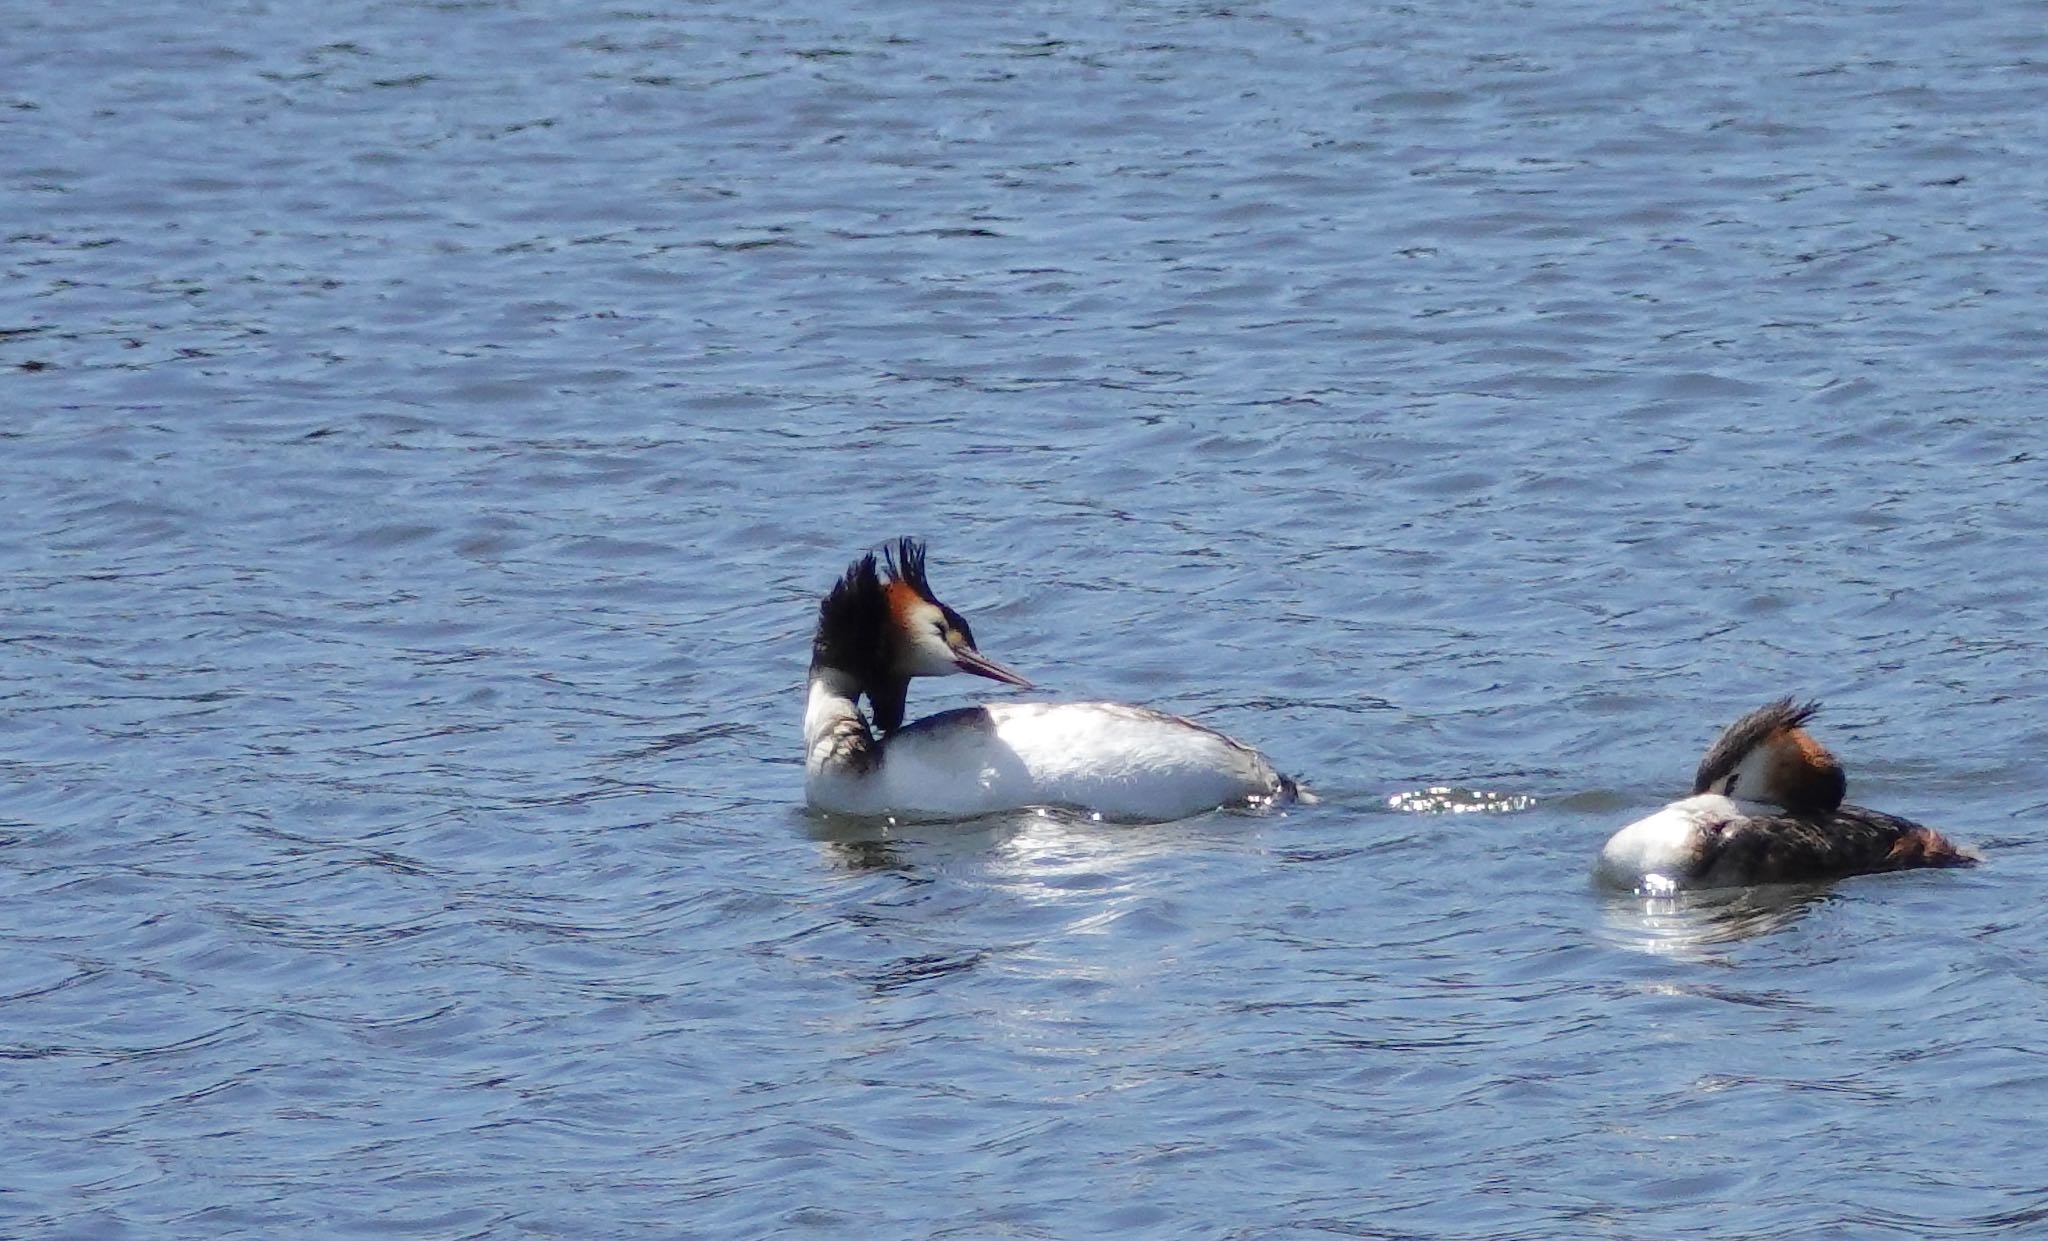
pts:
pixel 1446 799
pixel 1687 925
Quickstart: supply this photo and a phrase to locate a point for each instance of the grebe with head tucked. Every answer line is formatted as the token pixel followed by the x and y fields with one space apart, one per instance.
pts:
pixel 1767 808
pixel 881 625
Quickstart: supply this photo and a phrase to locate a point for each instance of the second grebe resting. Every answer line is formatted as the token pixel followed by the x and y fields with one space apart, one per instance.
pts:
pixel 1767 808
pixel 881 625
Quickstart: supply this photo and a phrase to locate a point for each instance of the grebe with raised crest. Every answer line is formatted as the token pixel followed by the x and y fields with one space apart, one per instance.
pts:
pixel 881 625
pixel 1767 808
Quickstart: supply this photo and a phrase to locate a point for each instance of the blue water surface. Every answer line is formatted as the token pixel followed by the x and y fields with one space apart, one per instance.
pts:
pixel 425 431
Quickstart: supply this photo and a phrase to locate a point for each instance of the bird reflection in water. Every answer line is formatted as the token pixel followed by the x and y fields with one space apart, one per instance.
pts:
pixel 1690 924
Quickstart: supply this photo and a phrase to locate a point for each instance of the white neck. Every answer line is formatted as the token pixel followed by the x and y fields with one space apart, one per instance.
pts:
pixel 1752 777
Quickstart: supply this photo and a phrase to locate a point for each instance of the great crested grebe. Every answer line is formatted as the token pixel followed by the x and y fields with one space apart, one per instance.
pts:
pixel 881 626
pixel 1767 808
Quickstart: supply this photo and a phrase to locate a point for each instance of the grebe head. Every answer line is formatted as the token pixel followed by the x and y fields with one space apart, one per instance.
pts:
pixel 1768 756
pixel 881 625
pixel 927 638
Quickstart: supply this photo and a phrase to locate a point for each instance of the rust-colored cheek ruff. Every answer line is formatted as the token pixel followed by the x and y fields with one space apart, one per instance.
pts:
pixel 1804 774
pixel 903 599
pixel 1812 751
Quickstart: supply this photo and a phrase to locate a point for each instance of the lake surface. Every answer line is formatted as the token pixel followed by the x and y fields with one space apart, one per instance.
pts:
pixel 428 429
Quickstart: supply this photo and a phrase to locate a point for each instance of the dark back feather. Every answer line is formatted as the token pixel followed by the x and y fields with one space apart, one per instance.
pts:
pixel 1848 841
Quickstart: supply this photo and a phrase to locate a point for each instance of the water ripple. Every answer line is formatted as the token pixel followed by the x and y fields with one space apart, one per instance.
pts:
pixel 431 431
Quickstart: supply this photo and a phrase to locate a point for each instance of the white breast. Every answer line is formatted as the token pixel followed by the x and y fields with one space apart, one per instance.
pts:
pixel 1660 851
pixel 1123 762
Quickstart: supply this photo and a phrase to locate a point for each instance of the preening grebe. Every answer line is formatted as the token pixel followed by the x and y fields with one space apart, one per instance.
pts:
pixel 1767 808
pixel 881 626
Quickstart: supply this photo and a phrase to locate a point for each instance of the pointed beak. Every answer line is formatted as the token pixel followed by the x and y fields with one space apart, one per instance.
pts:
pixel 967 659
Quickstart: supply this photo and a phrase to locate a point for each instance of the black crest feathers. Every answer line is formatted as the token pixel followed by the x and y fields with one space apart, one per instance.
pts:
pixel 904 561
pixel 853 622
pixel 856 634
